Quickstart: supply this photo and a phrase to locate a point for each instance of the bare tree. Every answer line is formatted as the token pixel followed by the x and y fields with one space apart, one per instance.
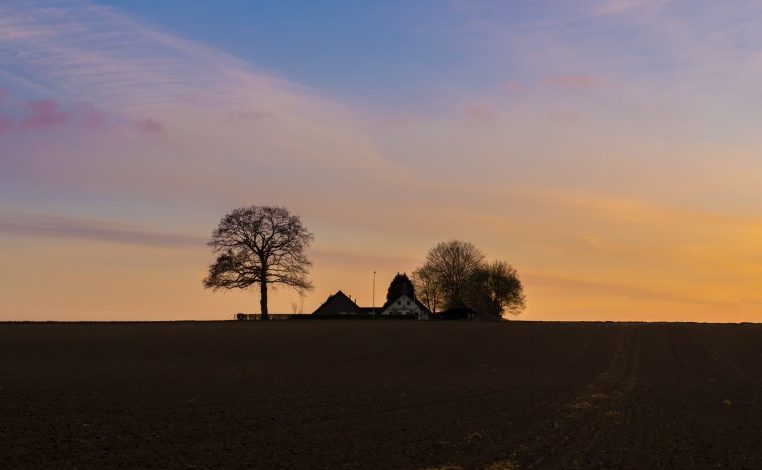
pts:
pixel 495 289
pixel 456 271
pixel 453 264
pixel 259 245
pixel 427 288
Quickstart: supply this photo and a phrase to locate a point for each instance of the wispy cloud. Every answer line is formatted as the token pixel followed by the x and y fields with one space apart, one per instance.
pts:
pixel 26 224
pixel 44 114
pixel 618 290
pixel 228 131
pixel 92 52
pixel 82 52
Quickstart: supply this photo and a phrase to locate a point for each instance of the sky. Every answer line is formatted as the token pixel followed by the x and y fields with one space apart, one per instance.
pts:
pixel 608 149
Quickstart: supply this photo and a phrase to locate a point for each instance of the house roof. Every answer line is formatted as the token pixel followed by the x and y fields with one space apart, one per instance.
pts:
pixel 335 300
pixel 417 302
pixel 341 302
pixel 423 307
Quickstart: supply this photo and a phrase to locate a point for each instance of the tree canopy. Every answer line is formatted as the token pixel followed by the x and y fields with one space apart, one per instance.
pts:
pixel 259 245
pixel 428 288
pixel 453 264
pixel 456 272
pixel 496 288
pixel 401 284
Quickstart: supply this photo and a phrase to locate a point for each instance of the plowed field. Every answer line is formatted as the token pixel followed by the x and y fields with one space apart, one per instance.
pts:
pixel 344 394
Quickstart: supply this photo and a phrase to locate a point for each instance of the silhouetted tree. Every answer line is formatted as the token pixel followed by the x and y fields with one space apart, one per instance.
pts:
pixel 453 264
pixel 495 289
pixel 259 245
pixel 427 288
pixel 401 284
pixel 455 273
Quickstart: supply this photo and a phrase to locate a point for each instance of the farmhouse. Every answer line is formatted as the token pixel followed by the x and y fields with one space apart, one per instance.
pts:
pixel 403 306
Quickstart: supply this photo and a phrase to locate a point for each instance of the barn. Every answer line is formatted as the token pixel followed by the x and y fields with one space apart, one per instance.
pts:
pixel 338 304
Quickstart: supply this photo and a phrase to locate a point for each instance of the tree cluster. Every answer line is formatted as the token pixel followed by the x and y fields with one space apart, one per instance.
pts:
pixel 456 272
pixel 267 245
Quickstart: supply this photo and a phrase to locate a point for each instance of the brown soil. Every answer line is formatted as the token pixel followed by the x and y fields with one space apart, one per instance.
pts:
pixel 340 394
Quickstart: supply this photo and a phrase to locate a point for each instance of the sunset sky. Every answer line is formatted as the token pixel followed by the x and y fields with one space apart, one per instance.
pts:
pixel 611 150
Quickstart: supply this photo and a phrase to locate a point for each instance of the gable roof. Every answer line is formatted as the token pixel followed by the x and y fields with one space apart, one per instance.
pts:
pixel 423 308
pixel 337 303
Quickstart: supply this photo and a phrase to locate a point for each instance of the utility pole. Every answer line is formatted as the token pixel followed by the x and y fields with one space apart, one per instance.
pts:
pixel 374 293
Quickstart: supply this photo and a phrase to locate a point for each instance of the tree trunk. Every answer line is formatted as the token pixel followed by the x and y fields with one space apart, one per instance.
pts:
pixel 263 298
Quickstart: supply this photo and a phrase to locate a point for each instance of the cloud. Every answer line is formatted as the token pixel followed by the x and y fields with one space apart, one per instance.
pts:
pixel 98 54
pixel 26 224
pixel 140 78
pixel 48 114
pixel 3 97
pixel 586 287
pixel 44 114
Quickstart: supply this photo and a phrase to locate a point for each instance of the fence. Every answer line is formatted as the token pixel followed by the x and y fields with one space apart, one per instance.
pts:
pixel 258 316
pixel 307 317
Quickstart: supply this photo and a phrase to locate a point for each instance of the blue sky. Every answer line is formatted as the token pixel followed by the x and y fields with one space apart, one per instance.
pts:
pixel 608 148
pixel 372 52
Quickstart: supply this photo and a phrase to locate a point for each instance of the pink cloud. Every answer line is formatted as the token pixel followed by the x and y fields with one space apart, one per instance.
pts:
pixel 150 126
pixel 48 114
pixel 572 81
pixel 44 114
